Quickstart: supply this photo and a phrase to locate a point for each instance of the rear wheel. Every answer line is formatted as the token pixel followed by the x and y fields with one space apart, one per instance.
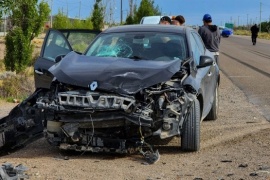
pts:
pixel 190 137
pixel 213 114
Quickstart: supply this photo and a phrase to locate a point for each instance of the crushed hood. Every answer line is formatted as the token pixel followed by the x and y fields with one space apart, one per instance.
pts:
pixel 120 75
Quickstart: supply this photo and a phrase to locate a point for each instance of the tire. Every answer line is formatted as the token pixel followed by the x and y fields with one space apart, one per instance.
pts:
pixel 190 136
pixel 213 114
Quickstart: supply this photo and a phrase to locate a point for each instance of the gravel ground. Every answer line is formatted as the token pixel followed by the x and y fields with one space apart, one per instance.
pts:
pixel 236 146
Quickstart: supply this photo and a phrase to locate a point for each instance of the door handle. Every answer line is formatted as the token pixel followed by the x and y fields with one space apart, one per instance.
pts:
pixel 38 72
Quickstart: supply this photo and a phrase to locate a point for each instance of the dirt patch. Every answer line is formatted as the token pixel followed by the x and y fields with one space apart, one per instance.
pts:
pixel 236 146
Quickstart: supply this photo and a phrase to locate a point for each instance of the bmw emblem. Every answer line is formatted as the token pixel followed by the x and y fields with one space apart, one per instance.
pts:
pixel 93 86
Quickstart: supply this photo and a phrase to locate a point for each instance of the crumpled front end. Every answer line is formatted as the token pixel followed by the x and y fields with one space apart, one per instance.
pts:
pixel 85 120
pixel 80 119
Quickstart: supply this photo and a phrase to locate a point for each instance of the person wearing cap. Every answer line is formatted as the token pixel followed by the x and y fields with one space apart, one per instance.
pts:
pixel 165 20
pixel 210 35
pixel 178 20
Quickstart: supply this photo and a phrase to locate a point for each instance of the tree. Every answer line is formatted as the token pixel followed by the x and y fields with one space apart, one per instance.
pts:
pixel 88 23
pixel 129 20
pixel 4 6
pixel 61 21
pixel 132 9
pixel 97 16
pixel 146 8
pixel 28 19
pixel 265 26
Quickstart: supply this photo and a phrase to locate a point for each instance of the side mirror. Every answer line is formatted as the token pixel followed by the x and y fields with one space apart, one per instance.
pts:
pixel 59 58
pixel 205 61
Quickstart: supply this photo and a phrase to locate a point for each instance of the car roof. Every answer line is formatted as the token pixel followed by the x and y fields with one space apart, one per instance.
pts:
pixel 150 28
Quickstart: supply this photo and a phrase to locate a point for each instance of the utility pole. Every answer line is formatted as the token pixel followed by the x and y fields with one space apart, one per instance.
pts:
pixel 121 13
pixel 247 21
pixel 80 10
pixel 51 13
pixel 67 8
pixel 110 14
pixel 260 16
pixel 238 21
pixel 131 7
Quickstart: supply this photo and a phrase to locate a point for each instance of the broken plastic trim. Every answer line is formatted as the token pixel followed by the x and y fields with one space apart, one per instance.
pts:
pixel 9 172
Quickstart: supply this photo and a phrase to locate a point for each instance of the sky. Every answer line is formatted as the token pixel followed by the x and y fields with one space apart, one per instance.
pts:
pixel 239 12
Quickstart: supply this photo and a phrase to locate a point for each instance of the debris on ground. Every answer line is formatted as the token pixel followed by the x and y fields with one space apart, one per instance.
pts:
pixel 9 172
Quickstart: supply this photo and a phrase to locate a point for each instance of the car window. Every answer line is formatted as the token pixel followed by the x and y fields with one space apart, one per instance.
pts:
pixel 79 41
pixel 140 45
pixel 56 45
pixel 199 42
pixel 196 50
pixel 150 20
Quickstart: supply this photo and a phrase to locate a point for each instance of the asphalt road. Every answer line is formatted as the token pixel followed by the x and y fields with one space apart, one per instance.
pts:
pixel 248 67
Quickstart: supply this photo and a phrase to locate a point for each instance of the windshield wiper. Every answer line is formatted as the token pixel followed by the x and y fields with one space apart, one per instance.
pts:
pixel 137 58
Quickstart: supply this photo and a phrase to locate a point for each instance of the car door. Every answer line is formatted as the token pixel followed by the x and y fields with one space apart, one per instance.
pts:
pixel 207 75
pixel 59 43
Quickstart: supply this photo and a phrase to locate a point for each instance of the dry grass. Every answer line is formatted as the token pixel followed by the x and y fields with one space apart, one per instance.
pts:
pixel 37 42
pixel 262 35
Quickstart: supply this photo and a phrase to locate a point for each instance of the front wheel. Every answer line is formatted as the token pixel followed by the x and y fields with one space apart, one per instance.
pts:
pixel 190 136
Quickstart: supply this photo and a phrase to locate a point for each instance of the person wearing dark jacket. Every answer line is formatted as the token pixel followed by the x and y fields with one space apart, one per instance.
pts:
pixel 254 33
pixel 210 35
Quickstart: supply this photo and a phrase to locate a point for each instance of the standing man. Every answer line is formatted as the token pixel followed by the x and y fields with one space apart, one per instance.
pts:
pixel 211 36
pixel 254 33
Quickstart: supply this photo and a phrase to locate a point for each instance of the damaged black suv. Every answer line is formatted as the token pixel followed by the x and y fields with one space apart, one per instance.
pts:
pixel 133 87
